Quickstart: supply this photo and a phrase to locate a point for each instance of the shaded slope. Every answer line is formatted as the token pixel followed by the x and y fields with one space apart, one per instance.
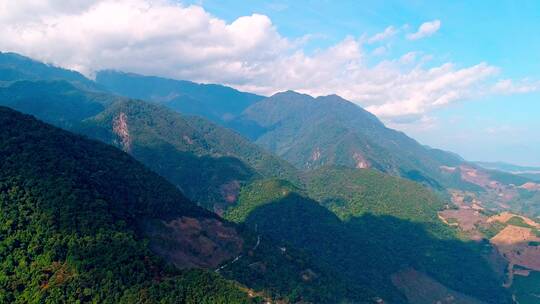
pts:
pixel 71 213
pixel 207 162
pixel 215 102
pixel 368 226
pixel 57 102
pixel 82 221
pixel 368 249
pixel 15 67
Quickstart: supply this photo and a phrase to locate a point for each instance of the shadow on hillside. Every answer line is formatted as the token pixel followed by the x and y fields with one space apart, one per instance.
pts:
pixel 55 102
pixel 212 182
pixel 369 249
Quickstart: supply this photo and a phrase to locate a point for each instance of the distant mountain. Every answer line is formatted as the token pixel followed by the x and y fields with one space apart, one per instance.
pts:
pixel 313 132
pixel 371 227
pixel 57 101
pixel 507 167
pixel 76 215
pixel 529 172
pixel 15 67
pixel 532 176
pixel 215 102
pixel 309 132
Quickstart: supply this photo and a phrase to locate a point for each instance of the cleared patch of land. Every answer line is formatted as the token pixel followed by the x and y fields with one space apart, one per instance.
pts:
pixel 504 217
pixel 467 220
pixel 519 246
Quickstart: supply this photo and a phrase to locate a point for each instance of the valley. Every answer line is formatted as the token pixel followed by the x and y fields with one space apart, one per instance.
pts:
pixel 515 237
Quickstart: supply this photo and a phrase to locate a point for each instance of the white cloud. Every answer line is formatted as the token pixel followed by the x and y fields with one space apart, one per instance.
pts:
pixel 421 90
pixel 141 35
pixel 508 86
pixel 425 30
pixel 410 57
pixel 414 124
pixel 379 51
pixel 185 42
pixel 387 33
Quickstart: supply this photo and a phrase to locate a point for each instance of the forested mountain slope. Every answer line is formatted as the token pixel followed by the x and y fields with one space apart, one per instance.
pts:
pixel 57 101
pixel 313 132
pixel 74 212
pixel 215 102
pixel 83 221
pixel 328 130
pixel 15 67
pixel 208 162
pixel 373 228
pixel 201 163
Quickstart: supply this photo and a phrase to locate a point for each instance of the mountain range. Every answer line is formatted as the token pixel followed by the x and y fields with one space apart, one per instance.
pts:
pixel 312 132
pixel 304 199
pixel 525 171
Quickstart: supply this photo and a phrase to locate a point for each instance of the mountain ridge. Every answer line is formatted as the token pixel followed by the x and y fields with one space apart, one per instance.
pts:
pixel 213 101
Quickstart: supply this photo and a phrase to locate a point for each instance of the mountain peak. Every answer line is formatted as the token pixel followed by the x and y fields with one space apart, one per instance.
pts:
pixel 291 93
pixel 334 98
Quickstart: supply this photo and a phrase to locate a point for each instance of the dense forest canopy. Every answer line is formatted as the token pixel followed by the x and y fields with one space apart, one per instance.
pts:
pixel 70 210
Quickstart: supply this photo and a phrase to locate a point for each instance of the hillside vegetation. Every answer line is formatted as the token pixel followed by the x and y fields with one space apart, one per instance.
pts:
pixel 215 102
pixel 70 213
pixel 83 221
pixel 58 102
pixel 328 130
pixel 349 193
pixel 14 67
pixel 208 162
pixel 369 226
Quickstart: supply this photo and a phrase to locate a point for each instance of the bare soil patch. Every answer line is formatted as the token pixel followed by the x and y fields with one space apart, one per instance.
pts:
pixel 194 243
pixel 513 243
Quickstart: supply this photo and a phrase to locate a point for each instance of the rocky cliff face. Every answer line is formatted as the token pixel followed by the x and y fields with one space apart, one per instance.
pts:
pixel 120 128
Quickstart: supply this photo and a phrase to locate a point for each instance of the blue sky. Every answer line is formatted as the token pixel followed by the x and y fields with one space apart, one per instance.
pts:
pixel 501 33
pixel 457 75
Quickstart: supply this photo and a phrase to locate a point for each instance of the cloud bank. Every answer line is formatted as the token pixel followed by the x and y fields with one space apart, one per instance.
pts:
pixel 168 39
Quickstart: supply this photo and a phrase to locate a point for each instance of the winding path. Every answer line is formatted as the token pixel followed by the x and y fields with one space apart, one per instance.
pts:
pixel 239 256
